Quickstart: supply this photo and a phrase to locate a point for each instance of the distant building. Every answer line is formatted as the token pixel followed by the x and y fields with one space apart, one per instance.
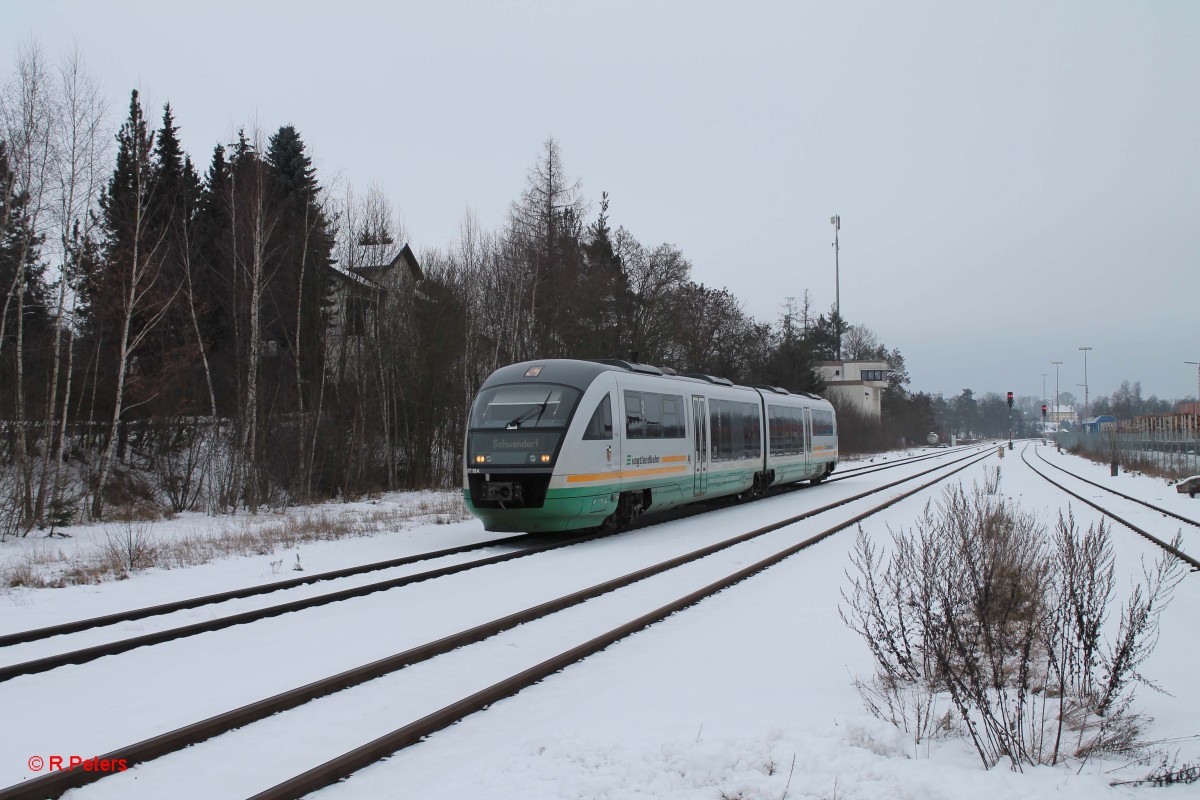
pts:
pixel 1187 407
pixel 1056 415
pixel 355 299
pixel 357 294
pixel 1100 423
pixel 859 384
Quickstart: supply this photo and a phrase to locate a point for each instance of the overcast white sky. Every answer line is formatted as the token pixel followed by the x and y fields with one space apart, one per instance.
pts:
pixel 1015 179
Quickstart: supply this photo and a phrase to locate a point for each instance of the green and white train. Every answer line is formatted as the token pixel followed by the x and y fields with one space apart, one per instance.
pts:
pixel 543 453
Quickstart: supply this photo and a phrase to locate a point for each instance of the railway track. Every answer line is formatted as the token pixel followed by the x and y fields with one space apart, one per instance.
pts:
pixel 53 785
pixel 35 634
pixel 865 469
pixel 132 615
pixel 86 654
pixel 115 647
pixel 1170 548
pixel 1151 506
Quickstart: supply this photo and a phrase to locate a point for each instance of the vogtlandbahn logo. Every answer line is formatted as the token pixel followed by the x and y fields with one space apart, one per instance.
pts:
pixel 630 461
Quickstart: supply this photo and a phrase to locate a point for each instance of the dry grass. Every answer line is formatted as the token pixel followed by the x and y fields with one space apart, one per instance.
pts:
pixel 1136 464
pixel 130 545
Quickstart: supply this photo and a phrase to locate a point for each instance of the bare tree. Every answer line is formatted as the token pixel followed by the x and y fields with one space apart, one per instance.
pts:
pixel 654 277
pixel 80 150
pixel 861 343
pixel 540 229
pixel 257 273
pixel 29 117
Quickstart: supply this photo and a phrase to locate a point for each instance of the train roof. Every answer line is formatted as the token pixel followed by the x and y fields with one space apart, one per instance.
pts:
pixel 581 373
pixel 568 372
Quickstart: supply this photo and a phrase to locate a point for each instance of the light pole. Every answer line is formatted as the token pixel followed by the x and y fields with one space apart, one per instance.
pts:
pixel 1044 374
pixel 1056 364
pixel 1196 405
pixel 836 221
pixel 1085 383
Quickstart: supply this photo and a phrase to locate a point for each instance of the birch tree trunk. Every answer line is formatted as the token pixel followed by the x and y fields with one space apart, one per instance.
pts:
pixel 140 282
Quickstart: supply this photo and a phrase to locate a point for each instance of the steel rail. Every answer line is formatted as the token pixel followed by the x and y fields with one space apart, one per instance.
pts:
pixel 854 472
pixel 55 784
pixel 1175 551
pixel 1159 509
pixel 86 654
pixel 350 762
pixel 34 634
pixel 75 626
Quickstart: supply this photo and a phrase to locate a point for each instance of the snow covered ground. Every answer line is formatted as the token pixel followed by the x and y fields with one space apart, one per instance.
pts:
pixel 746 695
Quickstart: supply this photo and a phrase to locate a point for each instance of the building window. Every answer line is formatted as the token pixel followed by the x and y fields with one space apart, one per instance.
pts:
pixel 356 316
pixel 873 375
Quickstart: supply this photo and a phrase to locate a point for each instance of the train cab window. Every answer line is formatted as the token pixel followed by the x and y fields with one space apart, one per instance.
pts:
pixel 524 406
pixel 600 425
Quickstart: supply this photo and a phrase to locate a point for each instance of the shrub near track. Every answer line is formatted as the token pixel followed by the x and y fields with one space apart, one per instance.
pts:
pixel 982 624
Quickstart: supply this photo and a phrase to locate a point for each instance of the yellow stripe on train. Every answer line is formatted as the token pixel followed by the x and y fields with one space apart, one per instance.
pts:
pixel 629 473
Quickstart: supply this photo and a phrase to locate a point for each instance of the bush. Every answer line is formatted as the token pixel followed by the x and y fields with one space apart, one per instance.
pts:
pixel 978 611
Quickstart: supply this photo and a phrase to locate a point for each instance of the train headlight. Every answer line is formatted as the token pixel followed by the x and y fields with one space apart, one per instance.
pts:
pixel 479 459
pixel 546 459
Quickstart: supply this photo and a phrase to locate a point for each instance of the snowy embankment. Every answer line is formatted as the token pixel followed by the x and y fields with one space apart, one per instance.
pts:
pixel 747 694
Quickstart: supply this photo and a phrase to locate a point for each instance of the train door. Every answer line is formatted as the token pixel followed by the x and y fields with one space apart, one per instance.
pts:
pixel 808 453
pixel 699 445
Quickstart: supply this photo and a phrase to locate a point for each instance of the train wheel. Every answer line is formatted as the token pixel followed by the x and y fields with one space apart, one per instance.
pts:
pixel 759 488
pixel 629 508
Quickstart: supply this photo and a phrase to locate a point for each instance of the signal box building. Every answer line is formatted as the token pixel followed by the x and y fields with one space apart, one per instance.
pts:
pixel 858 383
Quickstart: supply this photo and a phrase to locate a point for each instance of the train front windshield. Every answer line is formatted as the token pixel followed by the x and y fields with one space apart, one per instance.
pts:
pixel 519 424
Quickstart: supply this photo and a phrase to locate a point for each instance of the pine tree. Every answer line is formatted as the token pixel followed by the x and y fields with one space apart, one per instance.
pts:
pixel 214 284
pixel 127 296
pixel 170 371
pixel 605 300
pixel 300 289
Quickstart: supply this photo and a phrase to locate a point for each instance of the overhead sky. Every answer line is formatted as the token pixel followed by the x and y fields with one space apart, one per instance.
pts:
pixel 1015 180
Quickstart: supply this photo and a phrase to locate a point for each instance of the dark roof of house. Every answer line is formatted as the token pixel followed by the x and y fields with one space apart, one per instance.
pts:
pixel 405 257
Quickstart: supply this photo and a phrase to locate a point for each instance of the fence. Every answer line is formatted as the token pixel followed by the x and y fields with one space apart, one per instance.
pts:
pixel 1173 451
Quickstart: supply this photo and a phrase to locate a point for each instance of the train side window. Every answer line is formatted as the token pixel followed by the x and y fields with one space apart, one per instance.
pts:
pixel 672 417
pixel 635 418
pixel 751 430
pixel 784 431
pixel 652 411
pixel 600 425
pixel 822 423
pixel 720 420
